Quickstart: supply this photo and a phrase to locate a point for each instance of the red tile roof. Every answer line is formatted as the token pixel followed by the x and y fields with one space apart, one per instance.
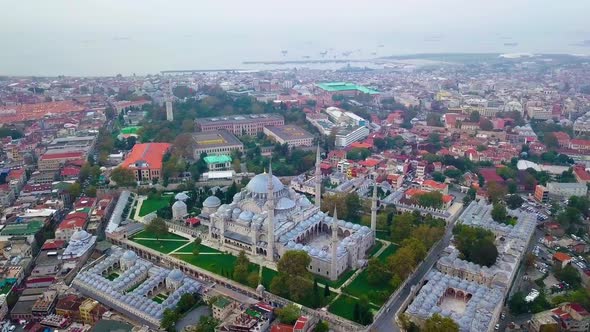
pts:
pixel 16 173
pixel 53 244
pixel 151 153
pixel 369 163
pixel 434 184
pixel 281 328
pixel 64 155
pixel 74 222
pixel 300 323
pixel 581 172
pixel 26 112
pixel 70 171
pixel 562 257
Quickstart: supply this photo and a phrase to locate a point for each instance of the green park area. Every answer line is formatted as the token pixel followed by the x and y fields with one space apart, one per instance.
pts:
pixel 344 305
pixel 165 244
pixel 6 285
pixel 377 293
pixel 153 204
pixel 188 249
pixel 160 298
pixel 217 262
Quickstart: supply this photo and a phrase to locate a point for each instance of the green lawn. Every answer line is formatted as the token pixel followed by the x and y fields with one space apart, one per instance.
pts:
pixel 150 205
pixel 215 263
pixel 148 235
pixel 335 283
pixel 375 248
pixel 202 248
pixel 344 307
pixel 267 275
pixel 163 246
pixel 383 235
pixel 387 252
pixel 377 293
pixel 160 298
pixel 113 276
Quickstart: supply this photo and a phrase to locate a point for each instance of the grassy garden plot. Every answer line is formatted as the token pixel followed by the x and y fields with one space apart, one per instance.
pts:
pixel 160 298
pixel 163 246
pixel 267 276
pixel 113 276
pixel 202 249
pixel 375 248
pixel 154 204
pixel 377 294
pixel 148 235
pixel 343 306
pixel 335 283
pixel 221 264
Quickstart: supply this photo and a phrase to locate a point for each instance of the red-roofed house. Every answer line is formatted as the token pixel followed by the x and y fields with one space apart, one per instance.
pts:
pixel 70 173
pixel 53 161
pixel 73 222
pixel 431 185
pixel 335 156
pixel 17 179
pixel 581 174
pixel 573 317
pixel 146 160
pixel 580 144
pixel 563 139
pixel 53 244
pixel 561 259
pixel 396 180
pixel 490 175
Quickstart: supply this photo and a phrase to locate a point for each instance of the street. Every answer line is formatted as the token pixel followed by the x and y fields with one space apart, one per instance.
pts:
pixel 386 322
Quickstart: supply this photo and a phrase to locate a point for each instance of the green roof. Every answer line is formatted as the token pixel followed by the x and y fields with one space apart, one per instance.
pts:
pixel 253 313
pixel 29 228
pixel 129 130
pixel 221 159
pixel 221 302
pixel 343 86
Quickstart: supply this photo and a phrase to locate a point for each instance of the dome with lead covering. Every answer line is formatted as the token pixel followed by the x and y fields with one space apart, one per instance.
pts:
pixel 212 202
pixel 80 235
pixel 129 255
pixel 259 184
pixel 176 275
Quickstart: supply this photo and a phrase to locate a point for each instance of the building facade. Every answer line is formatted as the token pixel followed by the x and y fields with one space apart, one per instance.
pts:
pixel 239 125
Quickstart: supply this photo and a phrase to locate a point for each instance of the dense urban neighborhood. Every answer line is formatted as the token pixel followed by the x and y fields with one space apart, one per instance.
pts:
pixel 446 194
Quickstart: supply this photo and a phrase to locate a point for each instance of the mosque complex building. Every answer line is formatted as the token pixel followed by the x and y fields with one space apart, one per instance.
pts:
pixel 267 219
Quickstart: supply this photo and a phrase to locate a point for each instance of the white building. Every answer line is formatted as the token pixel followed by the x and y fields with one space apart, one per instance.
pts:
pixel 140 289
pixel 349 135
pixel 266 218
pixel 566 190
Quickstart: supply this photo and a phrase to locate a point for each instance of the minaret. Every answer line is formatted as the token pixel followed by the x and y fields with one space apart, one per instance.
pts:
pixel 318 179
pixel 374 211
pixel 334 244
pixel 270 205
pixel 169 111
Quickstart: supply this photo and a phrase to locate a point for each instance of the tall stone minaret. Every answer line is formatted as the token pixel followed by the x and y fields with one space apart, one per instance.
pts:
pixel 334 244
pixel 270 206
pixel 318 178
pixel 374 211
pixel 169 111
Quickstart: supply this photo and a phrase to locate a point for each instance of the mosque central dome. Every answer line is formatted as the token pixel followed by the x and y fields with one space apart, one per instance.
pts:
pixel 259 184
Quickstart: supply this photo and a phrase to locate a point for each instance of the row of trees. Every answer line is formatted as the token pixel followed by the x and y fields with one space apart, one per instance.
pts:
pixel 170 317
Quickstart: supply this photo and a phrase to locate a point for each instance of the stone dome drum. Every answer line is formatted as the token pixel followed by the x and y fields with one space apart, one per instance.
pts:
pixel 80 235
pixel 259 184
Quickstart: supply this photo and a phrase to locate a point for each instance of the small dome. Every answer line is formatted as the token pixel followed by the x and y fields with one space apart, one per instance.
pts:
pixel 212 202
pixel 181 197
pixel 259 184
pixel 80 235
pixel 246 215
pixel 175 275
pixel 178 205
pixel 129 255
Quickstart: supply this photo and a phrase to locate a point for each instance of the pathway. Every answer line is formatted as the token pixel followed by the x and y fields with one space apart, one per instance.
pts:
pixel 140 200
pixel 154 239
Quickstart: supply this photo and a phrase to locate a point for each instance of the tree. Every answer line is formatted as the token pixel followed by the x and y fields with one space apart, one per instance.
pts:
pixel 124 177
pixel 326 290
pixel 186 302
pixel 496 191
pixel 322 326
pixel 417 247
pixel 514 201
pixel 197 245
pixel 288 314
pixel 432 199
pixel 377 273
pixel 401 227
pixel 438 176
pixel 402 262
pixel 484 253
pixel 569 275
pixel 293 280
pixel 550 141
pixel 206 324
pixel 499 213
pixel 486 124
pixel 517 304
pixel 241 268
pixel 365 316
pixel 438 323
pixel 90 191
pixel 74 190
pixel 169 319
pixel 157 227
pixel 474 117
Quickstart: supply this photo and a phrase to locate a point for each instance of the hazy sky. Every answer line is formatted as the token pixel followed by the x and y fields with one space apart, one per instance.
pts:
pixel 106 37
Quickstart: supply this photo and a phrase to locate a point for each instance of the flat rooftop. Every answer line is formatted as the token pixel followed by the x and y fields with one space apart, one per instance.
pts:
pixel 289 132
pixel 239 118
pixel 343 86
pixel 220 159
pixel 29 228
pixel 212 139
